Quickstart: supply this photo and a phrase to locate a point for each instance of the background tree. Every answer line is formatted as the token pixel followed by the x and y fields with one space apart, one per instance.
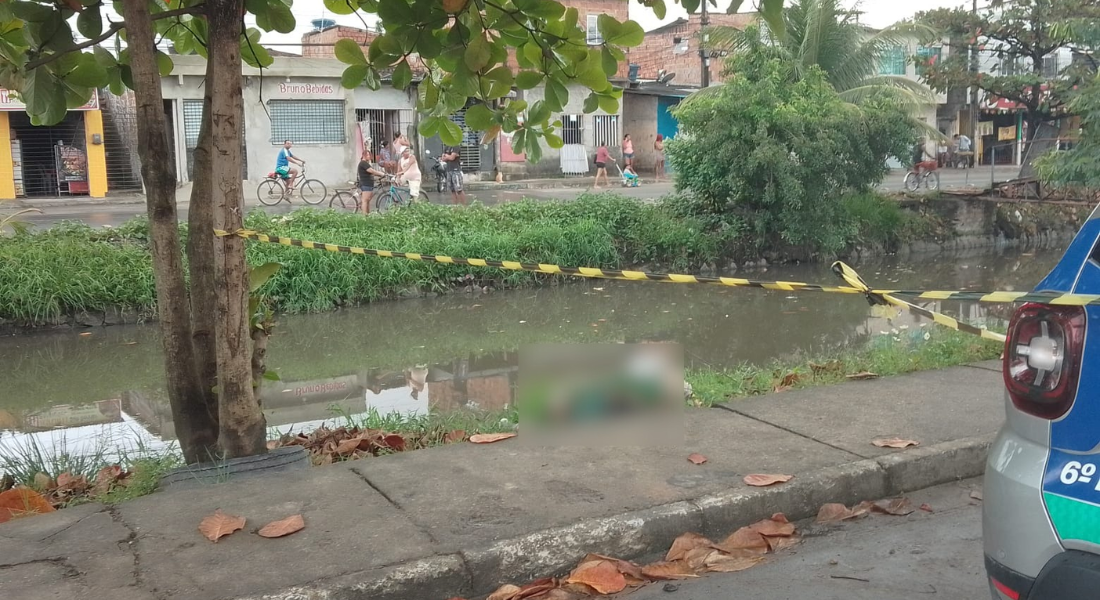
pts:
pixel 460 46
pixel 1020 34
pixel 790 152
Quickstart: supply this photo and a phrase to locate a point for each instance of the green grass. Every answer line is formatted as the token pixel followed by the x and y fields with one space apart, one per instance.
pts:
pixel 895 353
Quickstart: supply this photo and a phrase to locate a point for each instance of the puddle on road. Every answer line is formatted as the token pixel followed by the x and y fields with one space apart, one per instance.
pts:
pixel 104 387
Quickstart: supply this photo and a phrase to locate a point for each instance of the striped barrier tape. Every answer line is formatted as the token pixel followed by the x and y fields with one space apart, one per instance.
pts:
pixel 856 285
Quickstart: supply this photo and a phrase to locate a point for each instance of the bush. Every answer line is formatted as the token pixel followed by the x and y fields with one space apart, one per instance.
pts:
pixel 771 156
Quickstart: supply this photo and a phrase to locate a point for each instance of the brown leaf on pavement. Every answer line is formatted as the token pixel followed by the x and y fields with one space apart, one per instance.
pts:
pixel 559 594
pixel 287 526
pixel 744 539
pixel 536 588
pixel 454 436
pixel 790 380
pixel 105 478
pixel 718 562
pixel 862 376
pixel 774 527
pixel 779 389
pixel 504 592
pixel 894 443
pixel 668 570
pixel 763 480
pixel 926 507
pixel 219 525
pixel 778 543
pixel 899 507
pixel 348 446
pixel 834 513
pixel 697 458
pixel 686 543
pixel 395 442
pixel 976 494
pixel 22 502
pixel 489 438
pixel 631 571
pixel 600 575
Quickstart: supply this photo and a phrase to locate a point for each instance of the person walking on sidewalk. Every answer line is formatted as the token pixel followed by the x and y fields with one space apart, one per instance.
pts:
pixel 453 160
pixel 659 152
pixel 602 158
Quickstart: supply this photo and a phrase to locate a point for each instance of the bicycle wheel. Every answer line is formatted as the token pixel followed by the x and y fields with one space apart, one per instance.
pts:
pixel 383 202
pixel 312 191
pixel 345 201
pixel 912 182
pixel 270 192
pixel 423 197
pixel 932 180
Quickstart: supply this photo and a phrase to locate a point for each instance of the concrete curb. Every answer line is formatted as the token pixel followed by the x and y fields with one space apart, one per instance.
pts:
pixel 635 534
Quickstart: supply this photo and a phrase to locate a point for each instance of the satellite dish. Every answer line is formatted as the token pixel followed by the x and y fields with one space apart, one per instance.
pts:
pixel 665 77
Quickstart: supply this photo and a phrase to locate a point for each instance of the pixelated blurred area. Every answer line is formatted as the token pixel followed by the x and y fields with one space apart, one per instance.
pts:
pixel 601 394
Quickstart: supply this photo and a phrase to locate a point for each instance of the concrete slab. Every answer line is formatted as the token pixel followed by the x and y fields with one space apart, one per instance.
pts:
pixel 349 527
pixel 467 494
pixel 930 407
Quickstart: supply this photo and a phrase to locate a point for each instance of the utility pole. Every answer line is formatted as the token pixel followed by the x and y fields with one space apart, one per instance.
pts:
pixel 704 54
pixel 974 91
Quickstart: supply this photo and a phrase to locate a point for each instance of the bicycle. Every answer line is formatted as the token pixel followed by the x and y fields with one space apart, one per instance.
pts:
pixel 346 199
pixel 394 196
pixel 273 190
pixel 930 177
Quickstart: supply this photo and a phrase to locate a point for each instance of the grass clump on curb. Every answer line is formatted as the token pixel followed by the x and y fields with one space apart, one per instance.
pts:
pixel 895 352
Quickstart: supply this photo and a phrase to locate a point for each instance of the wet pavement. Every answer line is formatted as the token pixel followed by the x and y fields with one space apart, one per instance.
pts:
pixel 103 387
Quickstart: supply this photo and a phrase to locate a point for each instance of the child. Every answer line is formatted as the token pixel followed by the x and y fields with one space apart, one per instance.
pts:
pixel 630 177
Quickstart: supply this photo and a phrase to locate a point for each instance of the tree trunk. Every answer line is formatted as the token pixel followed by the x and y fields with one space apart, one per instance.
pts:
pixel 200 254
pixel 197 440
pixel 243 429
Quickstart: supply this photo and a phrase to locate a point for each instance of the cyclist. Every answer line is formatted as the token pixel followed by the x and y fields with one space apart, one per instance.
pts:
pixel 367 171
pixel 283 165
pixel 922 161
pixel 408 173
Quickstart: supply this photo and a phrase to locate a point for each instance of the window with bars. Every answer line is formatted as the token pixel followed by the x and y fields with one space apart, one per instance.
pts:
pixel 892 61
pixel 307 121
pixel 593 31
pixel 571 129
pixel 470 150
pixel 1050 66
pixel 606 130
pixel 381 124
pixel 1008 66
pixel 192 122
pixel 928 56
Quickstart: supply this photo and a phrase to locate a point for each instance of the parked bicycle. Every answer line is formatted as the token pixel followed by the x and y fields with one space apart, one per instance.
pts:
pixel 395 196
pixel 928 176
pixel 346 199
pixel 274 190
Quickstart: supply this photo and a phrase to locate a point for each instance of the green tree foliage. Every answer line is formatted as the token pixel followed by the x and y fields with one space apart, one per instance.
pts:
pixel 788 151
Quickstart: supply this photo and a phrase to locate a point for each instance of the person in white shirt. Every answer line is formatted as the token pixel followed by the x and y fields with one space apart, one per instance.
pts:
pixel 408 173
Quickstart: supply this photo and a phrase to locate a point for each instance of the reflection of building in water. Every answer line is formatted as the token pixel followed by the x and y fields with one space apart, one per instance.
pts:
pixel 67 415
pixel 480 383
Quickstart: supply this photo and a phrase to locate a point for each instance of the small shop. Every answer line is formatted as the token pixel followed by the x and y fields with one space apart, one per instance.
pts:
pixel 65 159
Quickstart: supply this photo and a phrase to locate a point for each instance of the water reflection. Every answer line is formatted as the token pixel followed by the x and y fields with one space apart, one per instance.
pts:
pixel 460 352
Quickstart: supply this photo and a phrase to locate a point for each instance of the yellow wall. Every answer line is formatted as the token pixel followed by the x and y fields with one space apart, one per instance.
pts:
pixel 97 155
pixel 7 169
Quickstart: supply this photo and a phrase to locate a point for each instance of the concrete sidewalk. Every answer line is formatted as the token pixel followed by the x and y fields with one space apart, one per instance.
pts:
pixel 462 519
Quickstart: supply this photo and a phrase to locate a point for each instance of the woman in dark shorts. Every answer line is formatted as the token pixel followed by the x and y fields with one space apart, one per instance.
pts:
pixel 367 171
pixel 602 158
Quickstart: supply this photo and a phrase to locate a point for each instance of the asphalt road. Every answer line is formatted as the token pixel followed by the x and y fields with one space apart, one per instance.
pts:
pixel 925 556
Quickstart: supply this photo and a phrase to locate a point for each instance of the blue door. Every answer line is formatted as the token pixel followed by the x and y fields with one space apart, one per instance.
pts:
pixel 667 125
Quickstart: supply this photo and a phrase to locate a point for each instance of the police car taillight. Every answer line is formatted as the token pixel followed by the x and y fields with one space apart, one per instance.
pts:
pixel 1042 359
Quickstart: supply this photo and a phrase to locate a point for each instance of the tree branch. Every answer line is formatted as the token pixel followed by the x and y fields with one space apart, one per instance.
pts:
pixel 112 30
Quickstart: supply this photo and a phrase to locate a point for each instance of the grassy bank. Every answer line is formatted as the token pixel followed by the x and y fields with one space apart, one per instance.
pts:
pixel 73 268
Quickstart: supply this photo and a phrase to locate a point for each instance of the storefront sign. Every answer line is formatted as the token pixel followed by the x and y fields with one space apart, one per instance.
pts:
pixel 10 101
pixel 1006 133
pixel 307 90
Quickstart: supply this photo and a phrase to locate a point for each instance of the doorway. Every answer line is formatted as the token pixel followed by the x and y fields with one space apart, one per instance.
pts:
pixel 50 161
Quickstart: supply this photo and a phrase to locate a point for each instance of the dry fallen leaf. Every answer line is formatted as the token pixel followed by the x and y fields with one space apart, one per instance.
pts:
pixel 778 543
pixel 287 526
pixel 219 525
pixel 454 436
pixel 779 389
pixel 718 562
pixel 696 558
pixel 668 570
pixel 774 526
pixel 976 494
pixel 631 571
pixel 697 458
pixel 600 575
pixel 347 447
pixel 744 539
pixel 85 334
pixel 22 502
pixel 504 592
pixel 926 507
pixel 862 376
pixel 686 543
pixel 43 481
pixel 106 477
pixel 489 438
pixel 761 480
pixel 790 379
pixel 536 588
pixel 899 507
pixel 834 512
pixel 894 443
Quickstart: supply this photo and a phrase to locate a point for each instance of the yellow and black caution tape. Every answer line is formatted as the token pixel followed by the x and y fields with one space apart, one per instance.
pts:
pixel 856 285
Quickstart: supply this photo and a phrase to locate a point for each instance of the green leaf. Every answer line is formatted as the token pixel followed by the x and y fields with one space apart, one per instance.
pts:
pixel 533 147
pixel 428 45
pixel 690 6
pixel 258 276
pixel 658 8
pixel 394 12
pixel 271 376
pixel 384 50
pixel 479 117
pixel 90 22
pixel 44 97
pixel 349 52
pixel 607 26
pixel 533 53
pixel 553 141
pixel 591 103
pixel 353 76
pixel 501 74
pixel 608 62
pixel 104 57
pixel 527 80
pixel 429 126
pixel 629 34
pixel 772 11
pixel 557 95
pixel 88 73
pixel 519 140
pixel 590 73
pixel 252 53
pixel 547 10
pixel 31 11
pixel 539 112
pixel 478 53
pixel 450 132
pixel 345 7
pixel 734 6
pixel 402 76
pixel 274 15
pixel 164 64
pixel 373 81
pixel 609 104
